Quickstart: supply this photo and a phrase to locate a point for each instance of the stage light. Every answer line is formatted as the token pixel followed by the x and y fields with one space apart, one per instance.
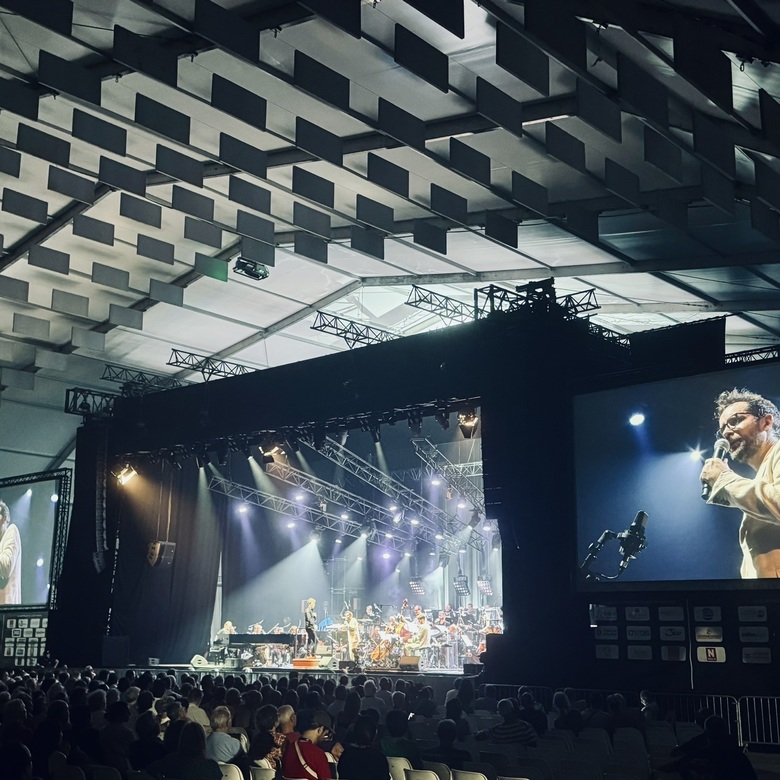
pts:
pixel 123 475
pixel 637 418
pixel 344 516
pixel 416 586
pixel 299 496
pixel 444 559
pixel 388 536
pixel 415 422
pixel 442 416
pixel 439 537
pixel 392 508
pixel 397 517
pixel 461 583
pixel 222 453
pixel 397 570
pixel 202 459
pixel 385 555
pixel 432 553
pixel 291 524
pixel 474 522
pixel 39 562
pixel 243 509
pixel 360 557
pixel 251 269
pixel 462 549
pixel 436 480
pixel 695 455
pixel 339 541
pixel 28 492
pixel 315 535
pixel 407 554
pixel 467 422
pixel 495 542
pixel 462 504
pixel 487 526
pixel 173 460
pixel 485 584
pixel 364 534
pixel 414 521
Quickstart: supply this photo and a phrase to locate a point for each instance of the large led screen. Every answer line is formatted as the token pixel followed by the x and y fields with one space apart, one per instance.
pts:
pixel 30 510
pixel 641 448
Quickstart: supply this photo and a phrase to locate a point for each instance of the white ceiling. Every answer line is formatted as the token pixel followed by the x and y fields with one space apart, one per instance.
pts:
pixel 674 258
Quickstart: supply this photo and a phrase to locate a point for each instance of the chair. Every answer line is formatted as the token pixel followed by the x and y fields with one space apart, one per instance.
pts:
pixel 420 774
pixel 599 736
pixel 478 769
pixel 57 760
pixel 442 770
pixel 575 769
pixel 230 771
pixel 535 767
pixel 261 773
pixel 332 765
pixel 397 766
pixel 469 774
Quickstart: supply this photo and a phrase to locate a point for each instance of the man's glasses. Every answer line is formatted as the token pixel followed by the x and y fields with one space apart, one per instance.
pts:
pixel 734 422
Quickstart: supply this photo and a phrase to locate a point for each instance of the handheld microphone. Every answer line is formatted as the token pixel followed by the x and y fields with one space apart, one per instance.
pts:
pixel 633 541
pixel 721 449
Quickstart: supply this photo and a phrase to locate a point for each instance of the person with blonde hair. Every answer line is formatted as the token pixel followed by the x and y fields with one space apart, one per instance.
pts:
pixel 220 745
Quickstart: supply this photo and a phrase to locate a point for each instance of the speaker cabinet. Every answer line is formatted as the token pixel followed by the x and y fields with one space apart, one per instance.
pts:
pixel 409 663
pixel 198 661
pixel 160 553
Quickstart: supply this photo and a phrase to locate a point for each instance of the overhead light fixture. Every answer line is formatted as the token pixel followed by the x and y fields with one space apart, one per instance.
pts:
pixel 173 459
pixel 442 416
pixel 417 587
pixel 485 584
pixel 462 585
pixel 495 542
pixel 444 559
pixel 474 522
pixel 467 422
pixel 202 459
pixel 251 269
pixel 415 422
pixel 124 473
pixel 316 535
pixel 222 453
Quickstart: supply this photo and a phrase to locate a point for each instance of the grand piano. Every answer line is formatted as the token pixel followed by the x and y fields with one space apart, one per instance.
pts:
pixel 252 640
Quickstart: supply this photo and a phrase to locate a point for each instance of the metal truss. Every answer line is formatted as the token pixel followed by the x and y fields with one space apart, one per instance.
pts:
pixel 753 355
pixel 431 455
pixel 354 333
pixel 451 310
pixel 578 303
pixel 208 367
pixel 90 404
pixel 433 520
pixel 136 382
pixel 473 469
pixel 605 334
pixel 311 515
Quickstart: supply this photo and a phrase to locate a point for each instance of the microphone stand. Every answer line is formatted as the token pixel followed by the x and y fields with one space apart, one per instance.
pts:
pixel 629 553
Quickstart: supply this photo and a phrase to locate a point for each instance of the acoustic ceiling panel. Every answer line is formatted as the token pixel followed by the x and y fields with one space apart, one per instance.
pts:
pixel 34 327
pixel 767 184
pixel 622 181
pixel 10 162
pixel 764 219
pixel 499 107
pixel 98 132
pixel 53 361
pixel 522 59
pixel 713 144
pixel 417 55
pixel 202 232
pixel 320 80
pixel 388 175
pixel 254 226
pixel 178 165
pixel 701 61
pixel 259 251
pixel 14 289
pixel 18 98
pixel 25 206
pixel 243 156
pixel 673 210
pixel 312 220
pixel 65 76
pixel 401 125
pixel 67 183
pixel 117 174
pixel 718 189
pixel 69 303
pixel 309 185
pixel 769 110
pixel 162 119
pixel 449 204
pixel 662 153
pixel 109 276
pixel 565 147
pixel 344 13
pixel 50 259
pixel 123 317
pixel 430 236
pixel 93 229
pixel 53 14
pixel 143 54
pixel 501 229
pixel 583 221
pixel 153 248
pixel 82 338
pixel 192 203
pixel 238 102
pixel 307 245
pixel 373 213
pixel 320 142
pixel 469 161
pixel 227 29
pixel 599 111
pixel 140 210
pixel 640 90
pixel 43 145
pixel 248 194
pixel 449 14
pixel 529 193
pixel 165 292
pixel 212 267
pixel 368 241
pixel 558 28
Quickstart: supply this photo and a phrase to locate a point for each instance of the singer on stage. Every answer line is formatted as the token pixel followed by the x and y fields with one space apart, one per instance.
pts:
pixel 310 623
pixel 751 425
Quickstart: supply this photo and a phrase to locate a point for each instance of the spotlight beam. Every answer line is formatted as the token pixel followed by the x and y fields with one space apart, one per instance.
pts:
pixel 315 517
pixel 432 456
pixel 431 516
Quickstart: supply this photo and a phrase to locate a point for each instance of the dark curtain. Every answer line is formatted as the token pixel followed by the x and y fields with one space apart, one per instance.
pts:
pixel 165 611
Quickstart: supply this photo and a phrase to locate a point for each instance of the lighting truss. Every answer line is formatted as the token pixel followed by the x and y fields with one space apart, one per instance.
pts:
pixel 432 519
pixel 208 367
pixel 354 333
pixel 753 355
pixel 312 515
pixel 136 383
pixel 450 310
pixel 430 454
pixel 90 404
pixel 578 303
pixel 331 494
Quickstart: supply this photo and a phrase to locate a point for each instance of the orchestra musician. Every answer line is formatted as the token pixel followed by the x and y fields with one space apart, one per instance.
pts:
pixel 353 635
pixel 221 640
pixel 420 643
pixel 310 624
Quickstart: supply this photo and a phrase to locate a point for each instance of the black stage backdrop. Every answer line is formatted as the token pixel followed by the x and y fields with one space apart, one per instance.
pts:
pixel 165 611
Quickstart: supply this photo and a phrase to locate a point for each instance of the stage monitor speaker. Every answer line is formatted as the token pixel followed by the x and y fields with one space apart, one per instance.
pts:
pixel 328 662
pixel 160 553
pixel 199 661
pixel 409 663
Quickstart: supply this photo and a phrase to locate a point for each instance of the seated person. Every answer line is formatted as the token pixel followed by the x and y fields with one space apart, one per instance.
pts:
pixel 189 762
pixel 148 748
pixel 568 718
pixel 511 730
pixel 446 752
pixel 219 744
pixel 361 758
pixel 397 743
pixel 303 759
pixel 531 715
pixel 267 742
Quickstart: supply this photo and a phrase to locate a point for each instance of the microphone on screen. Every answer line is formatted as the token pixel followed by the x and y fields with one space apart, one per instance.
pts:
pixel 721 449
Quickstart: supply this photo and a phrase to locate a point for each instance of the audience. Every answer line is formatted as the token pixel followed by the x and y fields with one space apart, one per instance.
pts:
pixel 568 718
pixel 446 752
pixel 220 745
pixel 398 743
pixel 304 753
pixel 531 714
pixel 361 760
pixel 511 730
pixel 190 761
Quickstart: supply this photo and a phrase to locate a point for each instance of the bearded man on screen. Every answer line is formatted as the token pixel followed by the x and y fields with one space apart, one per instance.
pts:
pixel 10 559
pixel 750 424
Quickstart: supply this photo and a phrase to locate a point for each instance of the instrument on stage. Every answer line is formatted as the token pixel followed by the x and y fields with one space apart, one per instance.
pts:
pixel 239 640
